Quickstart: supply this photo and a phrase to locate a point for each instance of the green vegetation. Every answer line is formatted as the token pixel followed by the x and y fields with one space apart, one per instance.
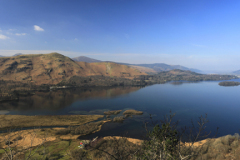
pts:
pixel 163 143
pixel 54 150
pixel 228 83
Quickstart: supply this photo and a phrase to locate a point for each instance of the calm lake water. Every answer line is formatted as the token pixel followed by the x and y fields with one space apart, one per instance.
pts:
pixel 187 100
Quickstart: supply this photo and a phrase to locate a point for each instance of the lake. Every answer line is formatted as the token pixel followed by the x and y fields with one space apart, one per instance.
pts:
pixel 187 100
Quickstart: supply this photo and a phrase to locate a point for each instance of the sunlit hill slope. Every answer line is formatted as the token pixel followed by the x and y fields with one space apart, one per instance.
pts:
pixel 53 68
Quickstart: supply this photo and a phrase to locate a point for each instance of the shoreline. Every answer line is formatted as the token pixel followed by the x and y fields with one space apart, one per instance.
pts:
pixel 27 88
pixel 18 121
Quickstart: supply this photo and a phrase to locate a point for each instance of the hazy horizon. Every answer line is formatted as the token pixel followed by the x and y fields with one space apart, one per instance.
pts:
pixel 196 34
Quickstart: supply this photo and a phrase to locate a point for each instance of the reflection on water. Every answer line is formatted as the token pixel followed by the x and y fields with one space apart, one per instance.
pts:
pixel 4 112
pixel 176 83
pixel 188 101
pixel 59 99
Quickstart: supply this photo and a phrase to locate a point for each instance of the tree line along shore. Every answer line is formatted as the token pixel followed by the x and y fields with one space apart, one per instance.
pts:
pixel 11 90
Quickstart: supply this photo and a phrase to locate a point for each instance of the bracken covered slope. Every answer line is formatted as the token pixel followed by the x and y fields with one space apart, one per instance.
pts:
pixel 53 68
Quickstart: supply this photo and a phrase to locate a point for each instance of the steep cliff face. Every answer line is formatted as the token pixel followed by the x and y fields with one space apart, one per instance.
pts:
pixel 53 68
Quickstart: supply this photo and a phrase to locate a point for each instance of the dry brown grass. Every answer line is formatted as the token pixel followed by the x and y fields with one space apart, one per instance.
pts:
pixel 11 121
pixel 29 138
pixel 81 130
pixel 115 112
pixel 53 68
pixel 113 148
pixel 144 69
pixel 132 112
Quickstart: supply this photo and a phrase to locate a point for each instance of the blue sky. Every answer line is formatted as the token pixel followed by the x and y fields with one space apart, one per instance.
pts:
pixel 198 34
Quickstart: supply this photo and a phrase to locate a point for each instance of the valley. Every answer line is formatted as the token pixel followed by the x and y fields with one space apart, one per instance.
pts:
pixel 22 75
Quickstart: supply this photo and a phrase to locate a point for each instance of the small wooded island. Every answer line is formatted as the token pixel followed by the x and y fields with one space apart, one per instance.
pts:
pixel 228 83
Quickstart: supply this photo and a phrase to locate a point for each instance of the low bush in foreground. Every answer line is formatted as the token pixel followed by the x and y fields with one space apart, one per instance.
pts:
pixel 164 142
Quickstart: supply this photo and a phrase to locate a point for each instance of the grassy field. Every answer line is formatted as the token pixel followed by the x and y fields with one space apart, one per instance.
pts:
pixel 132 112
pixel 13 121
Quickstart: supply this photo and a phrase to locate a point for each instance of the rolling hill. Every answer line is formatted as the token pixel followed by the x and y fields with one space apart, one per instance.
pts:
pixel 53 68
pixel 85 59
pixel 182 75
pixel 237 72
pixel 147 68
pixel 17 54
pixel 159 67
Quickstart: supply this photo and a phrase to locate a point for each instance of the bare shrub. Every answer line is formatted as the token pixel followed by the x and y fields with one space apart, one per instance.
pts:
pixel 114 149
pixel 79 154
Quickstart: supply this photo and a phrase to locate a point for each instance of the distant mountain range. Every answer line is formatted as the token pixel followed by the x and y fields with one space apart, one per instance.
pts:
pixel 237 72
pixel 159 67
pixel 148 68
pixel 17 54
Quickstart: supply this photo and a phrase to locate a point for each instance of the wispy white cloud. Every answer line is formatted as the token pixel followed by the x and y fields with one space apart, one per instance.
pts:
pixel 20 34
pixel 3 37
pixel 38 28
pixel 10 31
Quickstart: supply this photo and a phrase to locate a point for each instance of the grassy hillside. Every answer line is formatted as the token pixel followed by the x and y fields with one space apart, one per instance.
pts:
pixel 144 69
pixel 85 59
pixel 147 68
pixel 160 67
pixel 53 68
